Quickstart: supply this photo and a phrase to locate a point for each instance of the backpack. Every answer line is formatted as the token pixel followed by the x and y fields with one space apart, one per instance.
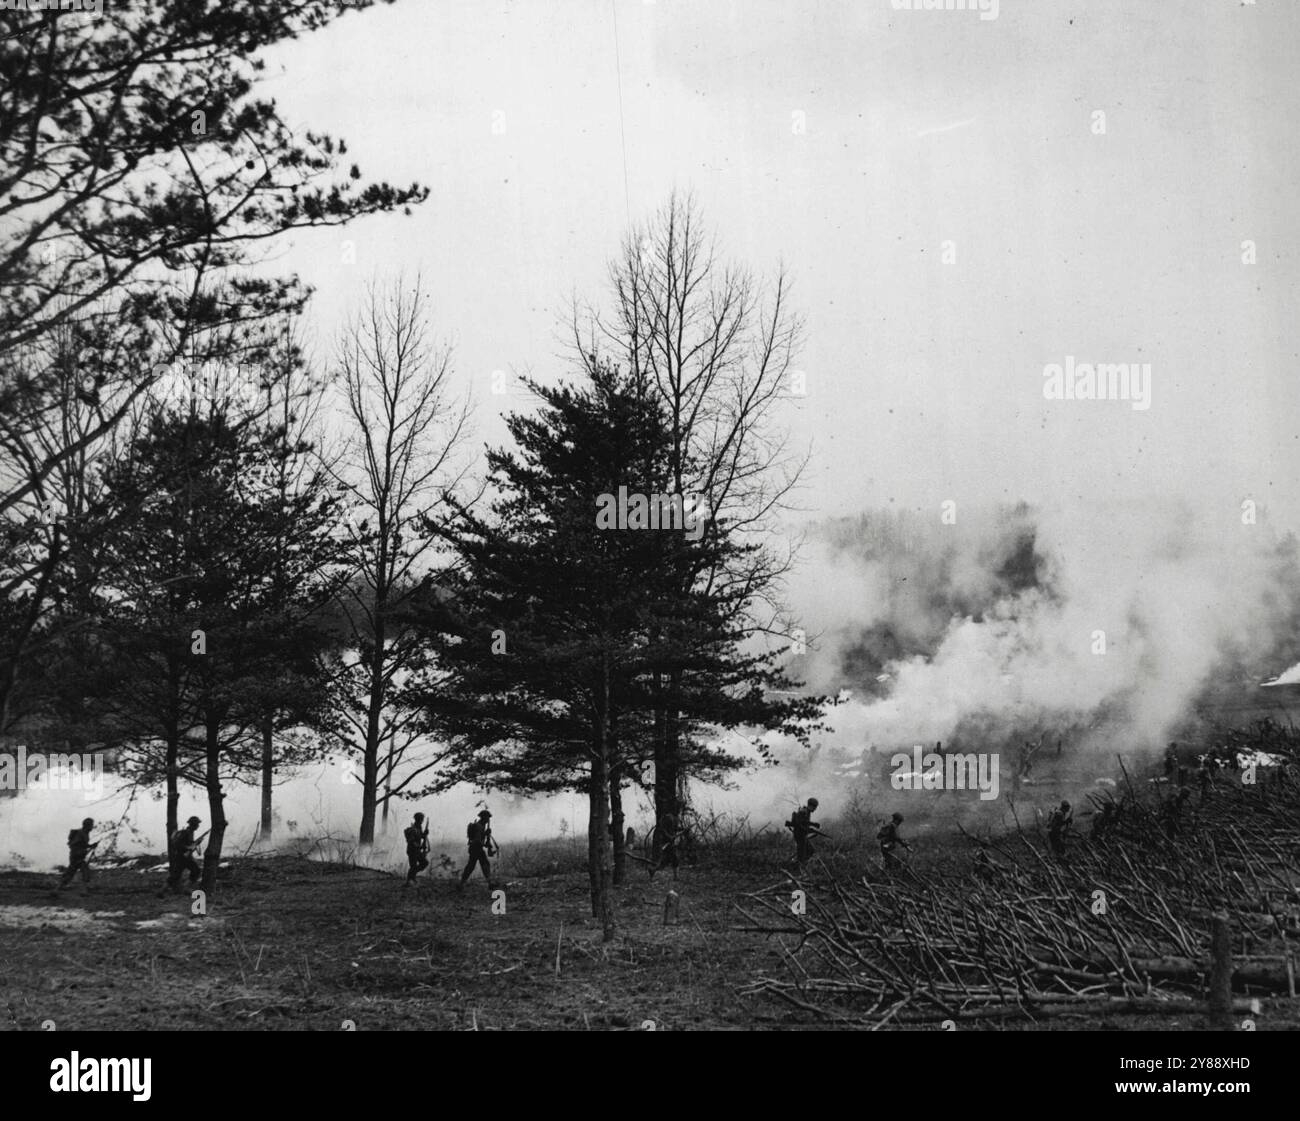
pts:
pixel 74 836
pixel 471 831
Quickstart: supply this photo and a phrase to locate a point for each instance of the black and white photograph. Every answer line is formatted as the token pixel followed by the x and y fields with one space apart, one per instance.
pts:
pixel 651 515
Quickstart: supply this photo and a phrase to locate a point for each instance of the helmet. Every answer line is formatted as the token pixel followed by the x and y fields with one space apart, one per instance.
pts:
pixel 813 803
pixel 484 813
pixel 419 817
pixel 194 821
pixel 87 823
pixel 898 818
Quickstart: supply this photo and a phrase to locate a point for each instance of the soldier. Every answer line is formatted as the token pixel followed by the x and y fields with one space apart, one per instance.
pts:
pixel 1173 812
pixel 481 846
pixel 1103 823
pixel 667 829
pixel 181 857
pixel 890 839
pixel 79 846
pixel 804 829
pixel 417 847
pixel 1205 777
pixel 1061 820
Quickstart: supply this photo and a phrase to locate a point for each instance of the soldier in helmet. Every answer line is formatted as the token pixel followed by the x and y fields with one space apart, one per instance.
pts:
pixel 181 857
pixel 79 847
pixel 417 847
pixel 890 838
pixel 804 829
pixel 481 846
pixel 1172 812
pixel 1058 824
pixel 1104 823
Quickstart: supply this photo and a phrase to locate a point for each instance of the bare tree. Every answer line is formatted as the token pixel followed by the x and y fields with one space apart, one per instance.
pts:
pixel 403 453
pixel 716 347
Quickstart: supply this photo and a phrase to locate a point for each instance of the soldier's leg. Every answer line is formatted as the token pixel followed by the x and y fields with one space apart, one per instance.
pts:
pixel 483 863
pixel 411 870
pixel 196 873
pixel 85 871
pixel 68 874
pixel 469 868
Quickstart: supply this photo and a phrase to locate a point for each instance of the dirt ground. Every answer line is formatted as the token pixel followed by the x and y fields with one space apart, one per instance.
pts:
pixel 290 943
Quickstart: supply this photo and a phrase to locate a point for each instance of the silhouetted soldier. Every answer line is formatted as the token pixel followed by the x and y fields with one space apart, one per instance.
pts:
pixel 1061 820
pixel 79 846
pixel 481 846
pixel 181 856
pixel 1173 812
pixel 804 829
pixel 1205 777
pixel 1104 822
pixel 890 838
pixel 417 847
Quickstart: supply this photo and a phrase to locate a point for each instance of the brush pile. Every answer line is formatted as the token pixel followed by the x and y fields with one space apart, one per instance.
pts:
pixel 1121 922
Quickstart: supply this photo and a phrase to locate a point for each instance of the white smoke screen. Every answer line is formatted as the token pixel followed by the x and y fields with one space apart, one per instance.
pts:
pixel 320 802
pixel 995 623
pixel 1129 611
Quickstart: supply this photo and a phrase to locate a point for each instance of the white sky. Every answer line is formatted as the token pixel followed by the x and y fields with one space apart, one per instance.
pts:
pixel 924 379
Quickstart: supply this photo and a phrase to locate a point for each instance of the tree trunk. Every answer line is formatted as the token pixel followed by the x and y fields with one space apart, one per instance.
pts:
pixel 667 763
pixel 616 824
pixel 268 772
pixel 388 785
pixel 598 847
pixel 662 768
pixel 172 733
pixel 217 832
pixel 173 785
pixel 370 761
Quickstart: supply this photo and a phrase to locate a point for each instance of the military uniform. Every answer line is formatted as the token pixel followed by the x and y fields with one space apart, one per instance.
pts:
pixel 78 855
pixel 801 825
pixel 1061 820
pixel 890 839
pixel 417 850
pixel 182 856
pixel 479 835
